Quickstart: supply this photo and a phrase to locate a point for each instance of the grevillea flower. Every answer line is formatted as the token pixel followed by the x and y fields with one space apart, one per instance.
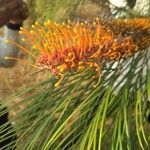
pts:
pixel 72 46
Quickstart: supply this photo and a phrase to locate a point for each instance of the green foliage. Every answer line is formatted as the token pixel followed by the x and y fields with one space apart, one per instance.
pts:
pixel 53 9
pixel 78 116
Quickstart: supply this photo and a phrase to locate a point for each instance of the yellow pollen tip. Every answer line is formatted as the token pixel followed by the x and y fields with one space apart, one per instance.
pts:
pixel 81 67
pixel 20 32
pixel 31 31
pixel 21 28
pixel 56 84
pixel 82 24
pixel 61 69
pixel 6 41
pixel 34 47
pixel 67 60
pixel 69 54
pixel 46 45
pixel 36 23
pixel 94 23
pixel 55 23
pixel 33 26
pixel 23 39
pixel 48 22
pixel 75 30
pixel 85 22
pixel 80 63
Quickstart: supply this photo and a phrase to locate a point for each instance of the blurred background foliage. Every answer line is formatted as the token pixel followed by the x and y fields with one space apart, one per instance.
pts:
pixel 65 9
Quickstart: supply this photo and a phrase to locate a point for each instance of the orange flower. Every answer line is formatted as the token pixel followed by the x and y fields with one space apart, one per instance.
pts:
pixel 71 46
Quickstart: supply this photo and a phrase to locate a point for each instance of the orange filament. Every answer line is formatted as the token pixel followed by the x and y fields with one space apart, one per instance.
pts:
pixel 21 48
pixel 22 61
pixel 73 46
pixel 60 80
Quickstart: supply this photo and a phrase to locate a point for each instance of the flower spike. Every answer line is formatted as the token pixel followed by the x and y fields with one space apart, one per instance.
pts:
pixel 75 45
